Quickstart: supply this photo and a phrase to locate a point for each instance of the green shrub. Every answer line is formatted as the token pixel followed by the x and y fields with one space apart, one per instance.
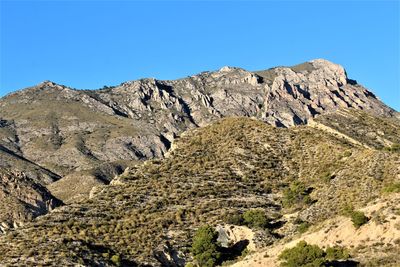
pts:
pixel 236 219
pixel 255 218
pixel 302 254
pixel 358 218
pixel 296 195
pixel 205 246
pixel 307 255
pixel 336 252
pixel 303 227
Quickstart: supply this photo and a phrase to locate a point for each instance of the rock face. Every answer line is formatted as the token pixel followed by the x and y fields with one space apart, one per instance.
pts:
pixel 304 91
pixel 22 199
pixel 67 130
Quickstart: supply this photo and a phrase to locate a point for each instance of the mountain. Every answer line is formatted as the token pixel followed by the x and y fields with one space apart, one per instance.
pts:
pixel 148 215
pixel 139 119
pixel 126 174
pixel 66 130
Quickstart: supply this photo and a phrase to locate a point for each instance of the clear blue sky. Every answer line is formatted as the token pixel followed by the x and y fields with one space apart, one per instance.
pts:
pixel 88 44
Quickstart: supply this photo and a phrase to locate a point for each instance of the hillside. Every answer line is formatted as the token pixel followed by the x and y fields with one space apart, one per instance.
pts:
pixel 212 174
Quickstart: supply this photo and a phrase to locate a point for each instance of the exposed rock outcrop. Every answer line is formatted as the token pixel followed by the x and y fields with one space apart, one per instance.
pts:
pixel 22 199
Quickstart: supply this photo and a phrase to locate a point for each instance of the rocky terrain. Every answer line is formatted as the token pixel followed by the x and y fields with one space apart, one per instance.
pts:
pixel 22 199
pixel 140 166
pixel 148 215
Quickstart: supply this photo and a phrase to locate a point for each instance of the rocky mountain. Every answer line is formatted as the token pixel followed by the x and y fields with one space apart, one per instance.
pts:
pixel 66 130
pixel 184 153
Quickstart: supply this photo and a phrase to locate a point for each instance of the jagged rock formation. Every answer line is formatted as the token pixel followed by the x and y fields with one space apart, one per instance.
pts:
pixel 22 199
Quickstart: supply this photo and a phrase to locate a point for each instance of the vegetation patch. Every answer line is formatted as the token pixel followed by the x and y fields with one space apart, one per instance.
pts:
pixel 357 217
pixel 307 255
pixel 296 195
pixel 392 188
pixel 253 218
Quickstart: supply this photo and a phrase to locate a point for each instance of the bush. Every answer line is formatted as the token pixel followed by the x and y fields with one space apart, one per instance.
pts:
pixel 296 195
pixel 336 252
pixel 205 247
pixel 358 218
pixel 255 218
pixel 303 227
pixel 236 219
pixel 303 254
pixel 307 255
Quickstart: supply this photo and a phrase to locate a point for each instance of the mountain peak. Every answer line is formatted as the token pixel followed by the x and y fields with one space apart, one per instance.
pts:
pixel 51 84
pixel 228 69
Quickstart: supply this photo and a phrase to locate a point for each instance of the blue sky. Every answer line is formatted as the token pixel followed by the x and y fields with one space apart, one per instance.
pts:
pixel 88 44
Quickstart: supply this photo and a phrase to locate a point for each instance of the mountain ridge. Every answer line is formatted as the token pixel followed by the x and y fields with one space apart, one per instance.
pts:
pixel 88 137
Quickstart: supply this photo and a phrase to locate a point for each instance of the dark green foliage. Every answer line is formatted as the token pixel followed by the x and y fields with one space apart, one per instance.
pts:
pixel 358 218
pixel 336 252
pixel 205 246
pixel 307 255
pixel 255 218
pixel 302 226
pixel 296 195
pixel 303 254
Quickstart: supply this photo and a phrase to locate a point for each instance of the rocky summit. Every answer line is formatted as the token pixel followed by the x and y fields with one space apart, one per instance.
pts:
pixel 125 175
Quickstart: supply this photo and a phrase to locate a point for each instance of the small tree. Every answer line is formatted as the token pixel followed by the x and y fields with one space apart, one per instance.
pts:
pixel 205 246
